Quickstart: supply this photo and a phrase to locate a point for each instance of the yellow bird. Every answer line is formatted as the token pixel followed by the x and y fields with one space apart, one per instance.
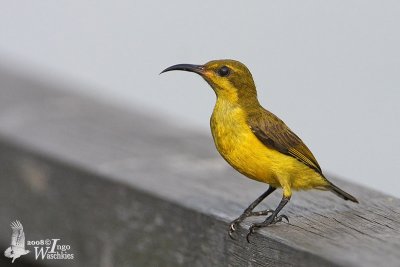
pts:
pixel 256 142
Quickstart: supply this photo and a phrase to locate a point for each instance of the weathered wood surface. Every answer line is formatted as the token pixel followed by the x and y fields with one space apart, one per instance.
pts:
pixel 127 189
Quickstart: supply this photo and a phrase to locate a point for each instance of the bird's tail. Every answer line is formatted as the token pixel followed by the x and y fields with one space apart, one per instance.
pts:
pixel 340 193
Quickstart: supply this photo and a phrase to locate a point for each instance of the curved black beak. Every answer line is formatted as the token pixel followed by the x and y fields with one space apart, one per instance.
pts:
pixel 199 69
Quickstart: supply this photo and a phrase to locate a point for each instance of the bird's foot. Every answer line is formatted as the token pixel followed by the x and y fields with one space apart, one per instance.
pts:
pixel 234 224
pixel 261 213
pixel 273 219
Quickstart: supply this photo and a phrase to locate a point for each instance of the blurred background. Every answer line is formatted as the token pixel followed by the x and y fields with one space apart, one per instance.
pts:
pixel 329 69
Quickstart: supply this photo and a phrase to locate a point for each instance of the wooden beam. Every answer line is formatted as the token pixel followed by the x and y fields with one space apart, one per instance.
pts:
pixel 132 188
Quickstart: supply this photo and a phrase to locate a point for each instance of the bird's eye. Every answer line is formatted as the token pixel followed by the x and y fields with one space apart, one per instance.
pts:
pixel 223 71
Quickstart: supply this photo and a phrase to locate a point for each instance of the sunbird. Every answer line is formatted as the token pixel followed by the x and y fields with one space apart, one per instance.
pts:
pixel 257 143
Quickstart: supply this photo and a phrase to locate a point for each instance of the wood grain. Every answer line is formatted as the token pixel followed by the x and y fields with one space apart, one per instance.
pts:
pixel 161 191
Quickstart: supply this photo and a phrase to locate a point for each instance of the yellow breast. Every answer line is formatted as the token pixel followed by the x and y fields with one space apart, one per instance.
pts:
pixel 239 146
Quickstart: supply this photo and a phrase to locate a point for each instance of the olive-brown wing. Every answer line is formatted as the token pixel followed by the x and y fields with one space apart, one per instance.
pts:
pixel 274 133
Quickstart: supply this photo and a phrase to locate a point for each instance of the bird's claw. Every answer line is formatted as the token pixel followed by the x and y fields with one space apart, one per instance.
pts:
pixel 232 229
pixel 283 216
pixel 233 226
pixel 251 231
pixel 269 221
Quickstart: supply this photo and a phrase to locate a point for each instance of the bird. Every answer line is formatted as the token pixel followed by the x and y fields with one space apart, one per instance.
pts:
pixel 255 142
pixel 17 248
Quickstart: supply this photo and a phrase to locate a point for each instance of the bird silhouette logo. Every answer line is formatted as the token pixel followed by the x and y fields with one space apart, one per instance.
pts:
pixel 17 248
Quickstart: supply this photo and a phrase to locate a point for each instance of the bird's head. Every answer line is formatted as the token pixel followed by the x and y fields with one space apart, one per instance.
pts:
pixel 230 79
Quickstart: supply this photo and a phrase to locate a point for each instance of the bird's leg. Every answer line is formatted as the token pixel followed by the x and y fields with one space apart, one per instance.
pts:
pixel 249 211
pixel 272 219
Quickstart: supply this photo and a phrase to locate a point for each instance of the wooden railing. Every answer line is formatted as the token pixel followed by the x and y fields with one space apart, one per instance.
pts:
pixel 126 188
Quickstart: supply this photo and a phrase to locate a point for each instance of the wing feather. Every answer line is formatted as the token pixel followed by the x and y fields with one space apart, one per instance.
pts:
pixel 274 133
pixel 18 235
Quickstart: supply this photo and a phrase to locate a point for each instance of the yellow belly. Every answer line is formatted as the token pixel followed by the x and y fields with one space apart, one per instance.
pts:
pixel 243 151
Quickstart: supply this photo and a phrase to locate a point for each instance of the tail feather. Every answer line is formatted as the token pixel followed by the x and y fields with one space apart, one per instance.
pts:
pixel 342 194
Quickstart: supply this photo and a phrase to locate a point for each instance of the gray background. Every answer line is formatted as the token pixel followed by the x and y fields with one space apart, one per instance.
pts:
pixel 329 69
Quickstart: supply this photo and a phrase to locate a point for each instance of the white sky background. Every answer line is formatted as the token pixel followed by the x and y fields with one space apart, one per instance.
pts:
pixel 329 69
